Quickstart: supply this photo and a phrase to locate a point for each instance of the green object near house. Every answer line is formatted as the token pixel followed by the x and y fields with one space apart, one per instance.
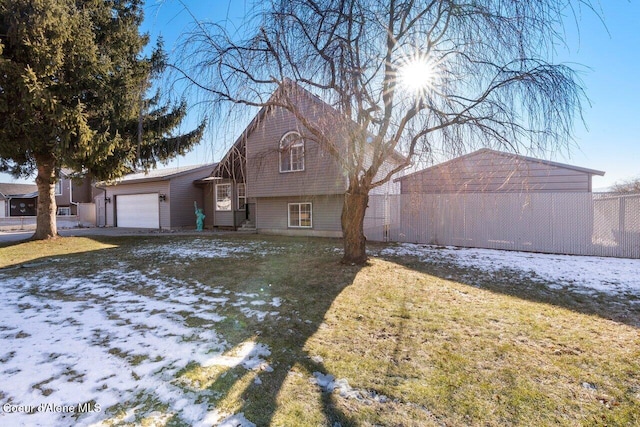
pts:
pixel 199 217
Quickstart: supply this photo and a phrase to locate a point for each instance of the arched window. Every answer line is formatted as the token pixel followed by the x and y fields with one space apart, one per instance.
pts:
pixel 291 152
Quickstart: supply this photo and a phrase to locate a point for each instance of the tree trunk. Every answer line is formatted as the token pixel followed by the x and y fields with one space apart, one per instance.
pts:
pixel 353 210
pixel 46 217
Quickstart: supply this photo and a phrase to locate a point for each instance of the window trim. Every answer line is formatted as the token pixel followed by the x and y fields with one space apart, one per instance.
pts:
pixel 288 152
pixel 299 211
pixel 229 194
pixel 58 187
pixel 243 196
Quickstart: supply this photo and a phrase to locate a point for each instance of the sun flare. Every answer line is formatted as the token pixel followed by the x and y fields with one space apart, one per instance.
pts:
pixel 417 74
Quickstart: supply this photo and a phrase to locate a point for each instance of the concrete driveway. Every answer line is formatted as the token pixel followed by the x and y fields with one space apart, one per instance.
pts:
pixel 14 236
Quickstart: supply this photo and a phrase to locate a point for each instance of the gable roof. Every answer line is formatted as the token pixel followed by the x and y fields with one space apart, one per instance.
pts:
pixel 509 156
pixel 238 149
pixel 162 174
pixel 8 190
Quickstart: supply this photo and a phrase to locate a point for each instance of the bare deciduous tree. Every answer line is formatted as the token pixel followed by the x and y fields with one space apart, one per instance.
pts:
pixel 628 186
pixel 414 76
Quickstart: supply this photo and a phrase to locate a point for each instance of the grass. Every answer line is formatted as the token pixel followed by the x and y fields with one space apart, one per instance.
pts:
pixel 29 252
pixel 417 345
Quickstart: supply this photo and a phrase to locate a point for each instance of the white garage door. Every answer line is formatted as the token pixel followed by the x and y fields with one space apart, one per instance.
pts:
pixel 138 210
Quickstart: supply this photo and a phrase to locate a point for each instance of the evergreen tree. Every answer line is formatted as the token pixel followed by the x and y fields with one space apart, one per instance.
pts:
pixel 73 81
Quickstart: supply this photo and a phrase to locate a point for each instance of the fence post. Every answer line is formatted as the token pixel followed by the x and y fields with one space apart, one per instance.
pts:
pixel 622 207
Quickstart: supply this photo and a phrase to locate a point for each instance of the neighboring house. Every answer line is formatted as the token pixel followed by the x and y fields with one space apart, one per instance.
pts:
pixel 70 191
pixel 277 180
pixel 490 171
pixel 18 200
pixel 161 198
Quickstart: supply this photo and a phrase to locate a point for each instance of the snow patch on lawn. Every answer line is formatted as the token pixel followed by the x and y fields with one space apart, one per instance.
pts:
pixel 112 338
pixel 582 273
pixel 206 248
pixel 237 420
pixel 276 302
pixel 248 354
pixel 329 384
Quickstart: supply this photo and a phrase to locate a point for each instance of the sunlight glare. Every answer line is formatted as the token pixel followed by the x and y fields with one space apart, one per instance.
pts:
pixel 417 75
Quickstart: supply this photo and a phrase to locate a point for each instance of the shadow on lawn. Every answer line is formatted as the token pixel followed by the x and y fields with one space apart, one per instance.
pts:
pixel 619 308
pixel 308 283
pixel 306 275
pixel 308 278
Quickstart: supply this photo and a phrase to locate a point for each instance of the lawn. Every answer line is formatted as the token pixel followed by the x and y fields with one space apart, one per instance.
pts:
pixel 256 330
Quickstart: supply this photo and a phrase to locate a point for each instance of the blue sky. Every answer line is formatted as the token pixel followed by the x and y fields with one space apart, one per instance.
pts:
pixel 608 60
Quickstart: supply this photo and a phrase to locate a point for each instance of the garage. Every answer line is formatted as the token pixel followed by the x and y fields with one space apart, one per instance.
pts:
pixel 138 210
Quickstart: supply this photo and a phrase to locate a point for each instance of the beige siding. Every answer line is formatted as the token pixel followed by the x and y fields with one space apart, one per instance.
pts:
pixel 224 219
pixel 321 174
pixel 207 203
pixel 272 215
pixel 181 196
pixel 159 187
pixel 487 172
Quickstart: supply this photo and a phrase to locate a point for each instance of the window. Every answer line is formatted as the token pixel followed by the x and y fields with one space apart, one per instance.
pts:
pixel 66 211
pixel 300 215
pixel 59 187
pixel 223 197
pixel 291 152
pixel 242 197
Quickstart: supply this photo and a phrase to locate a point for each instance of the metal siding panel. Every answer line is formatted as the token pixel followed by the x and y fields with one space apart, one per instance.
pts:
pixel 492 173
pixel 183 193
pixel 224 219
pixel 272 213
pixel 321 175
pixel 207 202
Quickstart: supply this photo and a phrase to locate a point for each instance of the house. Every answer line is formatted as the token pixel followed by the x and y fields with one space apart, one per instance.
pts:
pixel 161 198
pixel 277 179
pixel 18 199
pixel 72 190
pixel 69 192
pixel 490 171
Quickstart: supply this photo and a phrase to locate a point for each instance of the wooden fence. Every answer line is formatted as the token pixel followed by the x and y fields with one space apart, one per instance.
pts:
pixel 601 224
